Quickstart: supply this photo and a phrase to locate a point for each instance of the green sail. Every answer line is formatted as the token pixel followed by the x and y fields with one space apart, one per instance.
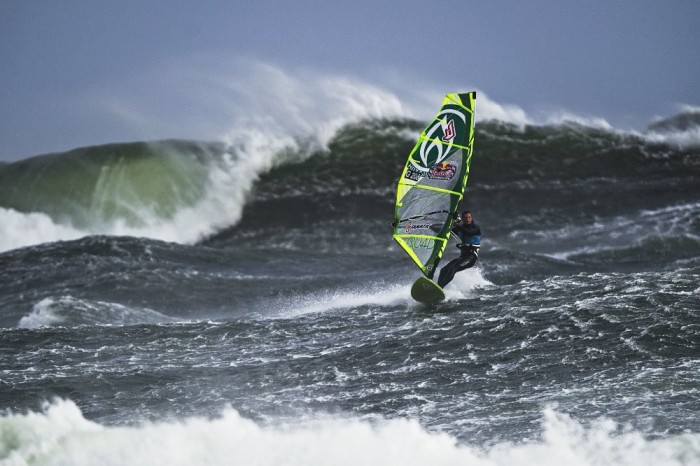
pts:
pixel 433 180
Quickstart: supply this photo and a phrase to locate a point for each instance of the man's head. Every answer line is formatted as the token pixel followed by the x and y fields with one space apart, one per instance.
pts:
pixel 467 217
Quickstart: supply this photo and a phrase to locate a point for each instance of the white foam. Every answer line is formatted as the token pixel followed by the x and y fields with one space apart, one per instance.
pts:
pixel 333 300
pixel 487 109
pixel 43 315
pixel 61 435
pixel 560 117
pixel 465 283
pixel 462 286
pixel 687 139
pixel 70 311
pixel 18 229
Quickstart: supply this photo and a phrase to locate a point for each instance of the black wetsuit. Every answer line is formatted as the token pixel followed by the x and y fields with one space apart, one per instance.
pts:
pixel 470 234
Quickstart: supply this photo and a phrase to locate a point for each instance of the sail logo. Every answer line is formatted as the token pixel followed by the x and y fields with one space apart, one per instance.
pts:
pixel 442 171
pixel 448 131
pixel 413 226
pixel 420 243
pixel 437 143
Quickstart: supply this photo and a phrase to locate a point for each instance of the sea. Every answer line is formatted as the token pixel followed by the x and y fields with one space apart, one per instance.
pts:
pixel 182 302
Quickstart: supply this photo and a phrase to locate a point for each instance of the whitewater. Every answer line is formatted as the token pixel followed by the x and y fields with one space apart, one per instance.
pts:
pixel 241 300
pixel 63 436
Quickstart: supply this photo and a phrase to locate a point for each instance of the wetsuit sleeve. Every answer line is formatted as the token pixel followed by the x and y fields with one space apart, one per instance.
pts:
pixel 476 238
pixel 471 235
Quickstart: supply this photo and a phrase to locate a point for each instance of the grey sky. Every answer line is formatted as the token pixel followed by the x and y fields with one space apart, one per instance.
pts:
pixel 75 73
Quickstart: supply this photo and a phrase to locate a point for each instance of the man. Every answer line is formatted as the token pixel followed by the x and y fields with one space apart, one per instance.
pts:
pixel 469 234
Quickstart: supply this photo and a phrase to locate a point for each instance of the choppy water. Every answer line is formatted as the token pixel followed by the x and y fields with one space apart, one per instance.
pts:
pixel 226 309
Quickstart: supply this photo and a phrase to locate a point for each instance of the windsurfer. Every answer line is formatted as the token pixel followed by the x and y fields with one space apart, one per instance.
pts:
pixel 469 234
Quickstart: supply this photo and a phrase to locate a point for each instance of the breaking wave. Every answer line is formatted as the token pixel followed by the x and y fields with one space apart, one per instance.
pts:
pixel 61 435
pixel 187 191
pixel 170 190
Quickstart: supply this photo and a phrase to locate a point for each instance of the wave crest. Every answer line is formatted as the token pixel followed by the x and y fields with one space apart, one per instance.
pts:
pixel 61 435
pixel 69 311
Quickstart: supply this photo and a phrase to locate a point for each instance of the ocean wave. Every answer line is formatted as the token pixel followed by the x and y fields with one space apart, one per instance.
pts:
pixel 682 129
pixel 171 190
pixel 179 191
pixel 61 435
pixel 69 311
pixel 186 191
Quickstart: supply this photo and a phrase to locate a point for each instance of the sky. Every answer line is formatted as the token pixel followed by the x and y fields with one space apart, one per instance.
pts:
pixel 76 73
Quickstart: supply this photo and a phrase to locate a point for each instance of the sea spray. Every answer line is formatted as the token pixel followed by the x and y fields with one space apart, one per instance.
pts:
pixel 61 435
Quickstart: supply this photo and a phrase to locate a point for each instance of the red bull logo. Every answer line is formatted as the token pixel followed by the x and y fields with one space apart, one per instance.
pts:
pixel 442 171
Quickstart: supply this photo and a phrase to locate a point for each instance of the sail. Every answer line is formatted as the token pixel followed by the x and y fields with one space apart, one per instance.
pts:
pixel 433 180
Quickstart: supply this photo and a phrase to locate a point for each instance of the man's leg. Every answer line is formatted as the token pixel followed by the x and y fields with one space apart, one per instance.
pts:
pixel 456 265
